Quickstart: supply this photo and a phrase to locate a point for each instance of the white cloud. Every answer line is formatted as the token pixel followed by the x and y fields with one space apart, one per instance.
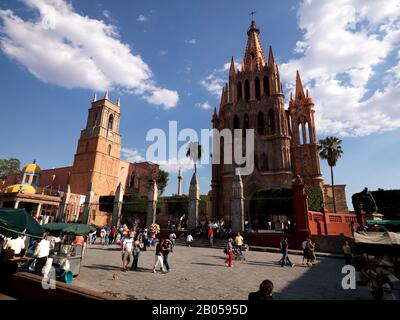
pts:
pixel 349 39
pixel 191 41
pixel 142 18
pixel 106 13
pixel 173 165
pixel 204 105
pixel 216 80
pixel 170 165
pixel 162 53
pixel 74 51
pixel 165 97
pixel 132 155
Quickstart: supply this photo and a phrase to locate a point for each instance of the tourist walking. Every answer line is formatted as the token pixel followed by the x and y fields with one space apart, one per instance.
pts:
pixel 136 254
pixel 145 240
pixel 229 251
pixel 127 247
pixel 306 255
pixel 264 293
pixel 285 253
pixel 239 243
pixel 348 257
pixel 111 236
pixel 103 233
pixel 166 246
pixel 311 251
pixel 172 238
pixel 189 239
pixel 158 258
pixel 210 237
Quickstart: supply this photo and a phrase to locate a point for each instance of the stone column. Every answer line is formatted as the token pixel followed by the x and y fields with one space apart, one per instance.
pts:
pixel 88 205
pixel 39 208
pixel 237 204
pixel 152 204
pixel 16 204
pixel 117 209
pixel 62 209
pixel 194 198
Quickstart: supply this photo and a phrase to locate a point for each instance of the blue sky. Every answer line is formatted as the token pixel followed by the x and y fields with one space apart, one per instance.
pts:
pixel 167 61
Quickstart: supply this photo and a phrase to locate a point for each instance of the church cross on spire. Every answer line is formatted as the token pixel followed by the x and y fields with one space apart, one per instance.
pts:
pixel 252 15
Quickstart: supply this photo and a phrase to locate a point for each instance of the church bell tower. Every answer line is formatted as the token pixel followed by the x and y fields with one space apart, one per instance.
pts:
pixel 97 158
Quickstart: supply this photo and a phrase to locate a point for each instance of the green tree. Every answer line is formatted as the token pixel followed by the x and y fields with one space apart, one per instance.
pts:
pixel 194 152
pixel 9 167
pixel 330 149
pixel 161 178
pixel 162 181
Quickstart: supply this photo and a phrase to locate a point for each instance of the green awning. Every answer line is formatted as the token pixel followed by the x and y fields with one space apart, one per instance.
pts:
pixel 16 222
pixel 70 228
pixel 383 222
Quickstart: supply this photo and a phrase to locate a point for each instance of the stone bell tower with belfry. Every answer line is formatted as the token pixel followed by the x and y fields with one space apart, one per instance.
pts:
pixel 97 158
pixel 304 146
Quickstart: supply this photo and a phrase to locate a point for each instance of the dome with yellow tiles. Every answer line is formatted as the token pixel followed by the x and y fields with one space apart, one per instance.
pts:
pixel 22 188
pixel 32 168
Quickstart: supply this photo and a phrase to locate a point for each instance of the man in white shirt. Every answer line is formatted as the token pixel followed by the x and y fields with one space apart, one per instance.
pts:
pixel 189 239
pixel 127 247
pixel 41 253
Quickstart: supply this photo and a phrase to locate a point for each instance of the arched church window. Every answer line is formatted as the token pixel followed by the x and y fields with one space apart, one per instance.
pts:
pixel 258 88
pixel 236 122
pixel 34 180
pixel 109 149
pixel 239 90
pixel 264 162
pixel 246 123
pixel 110 122
pixel 260 123
pixel 271 121
pixel 307 138
pixel 266 86
pixel 300 131
pixel 96 116
pixel 247 90
pixel 27 178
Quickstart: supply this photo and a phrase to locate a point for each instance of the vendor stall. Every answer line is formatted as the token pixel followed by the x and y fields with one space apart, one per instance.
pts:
pixel 68 246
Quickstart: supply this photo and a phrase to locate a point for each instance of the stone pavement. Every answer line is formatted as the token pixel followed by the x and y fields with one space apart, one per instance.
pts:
pixel 200 273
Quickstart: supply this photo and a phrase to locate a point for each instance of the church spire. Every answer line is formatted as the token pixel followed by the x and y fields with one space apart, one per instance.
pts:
pixel 106 95
pixel 271 60
pixel 254 57
pixel 94 98
pixel 232 69
pixel 299 87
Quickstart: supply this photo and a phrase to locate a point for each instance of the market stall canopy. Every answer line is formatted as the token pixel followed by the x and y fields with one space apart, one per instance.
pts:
pixel 378 238
pixel 16 222
pixel 383 222
pixel 78 229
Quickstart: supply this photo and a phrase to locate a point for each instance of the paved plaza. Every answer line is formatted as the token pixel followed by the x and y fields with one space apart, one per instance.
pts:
pixel 200 273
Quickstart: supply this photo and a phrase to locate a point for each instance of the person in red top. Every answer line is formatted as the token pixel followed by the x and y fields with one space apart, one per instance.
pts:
pixel 210 236
pixel 79 240
pixel 228 252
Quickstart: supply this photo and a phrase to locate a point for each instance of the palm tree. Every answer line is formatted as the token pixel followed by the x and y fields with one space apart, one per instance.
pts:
pixel 194 153
pixel 330 149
